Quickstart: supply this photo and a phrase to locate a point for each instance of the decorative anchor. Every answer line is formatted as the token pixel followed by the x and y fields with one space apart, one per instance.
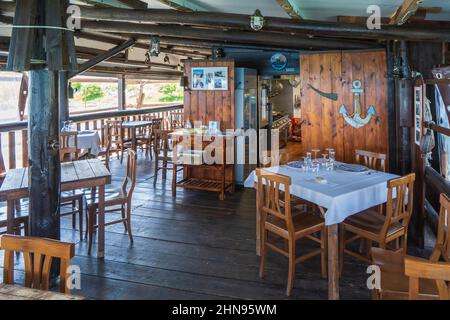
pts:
pixel 355 120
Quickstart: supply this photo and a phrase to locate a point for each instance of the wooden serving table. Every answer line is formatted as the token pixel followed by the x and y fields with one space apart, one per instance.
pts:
pixel 74 175
pixel 198 175
pixel 8 292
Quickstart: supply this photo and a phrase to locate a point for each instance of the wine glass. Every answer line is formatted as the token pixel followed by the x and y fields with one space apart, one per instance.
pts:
pixel 315 167
pixel 315 153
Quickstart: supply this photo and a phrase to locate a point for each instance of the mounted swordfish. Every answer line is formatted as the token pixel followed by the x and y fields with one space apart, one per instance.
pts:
pixel 355 120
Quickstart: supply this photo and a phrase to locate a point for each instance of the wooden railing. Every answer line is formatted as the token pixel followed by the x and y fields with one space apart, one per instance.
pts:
pixel 14 135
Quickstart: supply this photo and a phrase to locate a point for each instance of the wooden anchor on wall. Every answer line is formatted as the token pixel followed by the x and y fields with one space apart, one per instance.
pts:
pixel 355 120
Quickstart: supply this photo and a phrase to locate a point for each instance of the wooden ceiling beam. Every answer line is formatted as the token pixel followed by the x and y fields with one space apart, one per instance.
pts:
pixel 407 9
pixel 135 4
pixel 289 9
pixel 176 6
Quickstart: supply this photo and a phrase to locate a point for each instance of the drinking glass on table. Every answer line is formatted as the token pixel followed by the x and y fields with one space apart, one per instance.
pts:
pixel 315 153
pixel 315 166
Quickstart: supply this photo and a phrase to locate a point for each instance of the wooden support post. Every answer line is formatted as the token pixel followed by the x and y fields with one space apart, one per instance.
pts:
pixel 122 87
pixel 63 96
pixel 44 161
pixel 392 116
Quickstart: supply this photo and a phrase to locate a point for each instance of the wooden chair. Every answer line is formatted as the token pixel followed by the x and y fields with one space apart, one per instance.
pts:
pixel 118 200
pixel 277 219
pixel 69 152
pixel 394 282
pixel 20 223
pixel 118 138
pixel 438 272
pixel 379 228
pixel 38 256
pixel 105 152
pixel 68 141
pixel 163 153
pixel 177 120
pixel 372 160
pixel 146 138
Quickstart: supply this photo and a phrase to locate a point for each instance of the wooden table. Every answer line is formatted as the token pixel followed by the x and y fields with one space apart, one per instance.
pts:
pixel 362 190
pixel 134 125
pixel 74 175
pixel 8 292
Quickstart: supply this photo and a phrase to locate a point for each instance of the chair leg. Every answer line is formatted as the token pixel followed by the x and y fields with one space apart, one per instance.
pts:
pixel 92 211
pixel 155 178
pixel 341 249
pixel 121 154
pixel 262 264
pixel 80 217
pixel 130 234
pixel 324 252
pixel 291 274
pixel 73 215
pixel 122 211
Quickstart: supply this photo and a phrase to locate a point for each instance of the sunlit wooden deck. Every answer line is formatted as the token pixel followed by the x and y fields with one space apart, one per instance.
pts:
pixel 193 247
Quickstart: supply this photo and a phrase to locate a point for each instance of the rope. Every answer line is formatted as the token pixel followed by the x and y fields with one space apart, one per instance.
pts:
pixel 36 27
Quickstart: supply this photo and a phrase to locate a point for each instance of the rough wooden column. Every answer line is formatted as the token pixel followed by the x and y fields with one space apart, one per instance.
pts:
pixel 63 96
pixel 44 160
pixel 122 89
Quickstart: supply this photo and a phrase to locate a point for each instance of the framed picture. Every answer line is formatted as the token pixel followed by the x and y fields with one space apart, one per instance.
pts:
pixel 418 109
pixel 210 78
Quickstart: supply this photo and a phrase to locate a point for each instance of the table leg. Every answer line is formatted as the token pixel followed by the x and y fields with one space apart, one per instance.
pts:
pixel 258 228
pixel 133 139
pixel 333 263
pixel 101 222
pixel 10 217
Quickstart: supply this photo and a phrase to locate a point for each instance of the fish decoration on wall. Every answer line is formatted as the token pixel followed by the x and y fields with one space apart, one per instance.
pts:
pixel 331 95
pixel 355 120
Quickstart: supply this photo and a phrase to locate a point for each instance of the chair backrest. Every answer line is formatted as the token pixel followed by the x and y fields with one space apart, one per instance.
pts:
pixel 162 141
pixel 442 247
pixel 416 269
pixel 372 160
pixel 68 141
pixel 177 119
pixel 116 131
pixel 38 255
pixel 130 179
pixel 108 135
pixel 274 198
pixel 399 203
pixel 157 124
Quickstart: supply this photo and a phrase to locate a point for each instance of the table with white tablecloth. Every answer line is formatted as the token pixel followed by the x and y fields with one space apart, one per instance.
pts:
pixel 343 194
pixel 88 140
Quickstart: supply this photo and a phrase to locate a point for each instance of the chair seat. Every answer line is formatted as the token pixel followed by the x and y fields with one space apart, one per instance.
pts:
pixel 112 197
pixel 303 223
pixel 371 222
pixel 394 282
pixel 71 195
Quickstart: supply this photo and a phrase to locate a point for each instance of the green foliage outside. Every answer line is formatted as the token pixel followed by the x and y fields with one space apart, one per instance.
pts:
pixel 171 93
pixel 88 92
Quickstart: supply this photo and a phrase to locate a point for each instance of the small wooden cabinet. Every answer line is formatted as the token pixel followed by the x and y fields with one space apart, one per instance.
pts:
pixel 207 161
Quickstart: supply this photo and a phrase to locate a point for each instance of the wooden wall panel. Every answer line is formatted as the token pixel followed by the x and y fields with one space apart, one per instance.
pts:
pixel 210 105
pixel 334 72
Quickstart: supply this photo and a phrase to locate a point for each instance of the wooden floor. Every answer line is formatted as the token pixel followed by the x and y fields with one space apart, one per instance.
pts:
pixel 193 247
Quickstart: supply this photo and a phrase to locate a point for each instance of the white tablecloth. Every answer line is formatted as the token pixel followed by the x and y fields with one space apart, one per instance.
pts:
pixel 89 140
pixel 345 194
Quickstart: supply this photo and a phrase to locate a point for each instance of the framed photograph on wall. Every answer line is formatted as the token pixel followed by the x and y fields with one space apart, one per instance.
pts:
pixel 418 110
pixel 209 78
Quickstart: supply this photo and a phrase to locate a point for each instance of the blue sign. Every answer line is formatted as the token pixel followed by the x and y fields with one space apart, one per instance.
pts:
pixel 278 61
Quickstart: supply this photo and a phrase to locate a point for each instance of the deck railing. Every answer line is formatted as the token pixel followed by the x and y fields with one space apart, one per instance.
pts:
pixel 14 135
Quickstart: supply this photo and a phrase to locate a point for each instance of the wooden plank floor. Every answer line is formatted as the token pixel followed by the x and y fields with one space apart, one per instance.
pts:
pixel 193 247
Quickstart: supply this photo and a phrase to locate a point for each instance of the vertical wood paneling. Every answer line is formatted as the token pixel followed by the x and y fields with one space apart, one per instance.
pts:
pixel 210 105
pixel 334 72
